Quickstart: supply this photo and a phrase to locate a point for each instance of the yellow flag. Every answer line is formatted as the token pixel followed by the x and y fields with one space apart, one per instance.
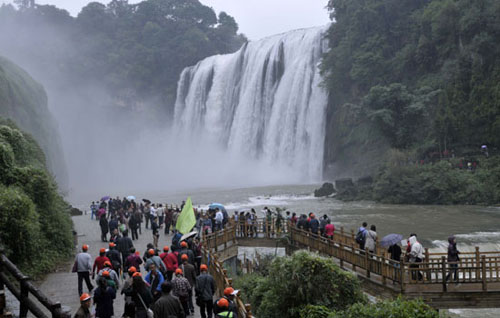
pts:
pixel 186 220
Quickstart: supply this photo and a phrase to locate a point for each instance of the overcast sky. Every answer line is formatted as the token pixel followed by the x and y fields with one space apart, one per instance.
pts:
pixel 256 18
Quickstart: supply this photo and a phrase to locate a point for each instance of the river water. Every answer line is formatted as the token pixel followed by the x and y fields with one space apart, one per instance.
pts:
pixel 472 225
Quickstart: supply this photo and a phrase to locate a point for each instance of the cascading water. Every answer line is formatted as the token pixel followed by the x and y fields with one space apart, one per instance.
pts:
pixel 263 102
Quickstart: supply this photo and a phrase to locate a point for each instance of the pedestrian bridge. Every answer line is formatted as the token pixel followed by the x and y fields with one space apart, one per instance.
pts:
pixel 478 283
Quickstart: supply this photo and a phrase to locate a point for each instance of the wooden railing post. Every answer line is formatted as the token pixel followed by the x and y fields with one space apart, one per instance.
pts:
pixel 478 264
pixel 367 262
pixel 427 260
pixel 483 273
pixel 402 276
pixel 443 272
pixel 383 268
pixel 23 310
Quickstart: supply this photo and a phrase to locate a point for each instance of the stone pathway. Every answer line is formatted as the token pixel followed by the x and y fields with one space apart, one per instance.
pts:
pixel 63 285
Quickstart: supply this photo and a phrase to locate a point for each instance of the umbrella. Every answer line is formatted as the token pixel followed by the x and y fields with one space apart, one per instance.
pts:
pixel 217 205
pixel 188 235
pixel 105 198
pixel 146 201
pixel 130 198
pixel 390 239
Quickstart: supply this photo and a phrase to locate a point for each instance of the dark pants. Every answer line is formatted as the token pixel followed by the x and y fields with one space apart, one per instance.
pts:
pixel 190 300
pixel 208 306
pixel 104 235
pixel 453 270
pixel 416 274
pixel 81 277
pixel 169 275
pixel 147 217
pixel 185 305
pixel 167 227
pixel 135 235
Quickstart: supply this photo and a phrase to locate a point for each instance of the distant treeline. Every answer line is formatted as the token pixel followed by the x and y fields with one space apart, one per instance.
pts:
pixel 135 51
pixel 424 74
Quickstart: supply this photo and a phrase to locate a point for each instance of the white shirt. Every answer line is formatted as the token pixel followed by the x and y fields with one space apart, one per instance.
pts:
pixel 219 217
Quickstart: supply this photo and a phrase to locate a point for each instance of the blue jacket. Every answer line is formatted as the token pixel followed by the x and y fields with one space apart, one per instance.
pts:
pixel 160 281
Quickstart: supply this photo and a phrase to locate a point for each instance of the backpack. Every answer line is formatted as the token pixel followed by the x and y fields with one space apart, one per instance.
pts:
pixel 360 237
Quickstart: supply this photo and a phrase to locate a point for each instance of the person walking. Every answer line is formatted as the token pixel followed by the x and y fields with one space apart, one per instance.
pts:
pixel 99 262
pixel 133 260
pixel 170 261
pixel 156 260
pixel 329 230
pixel 416 256
pixel 223 311
pixel 111 273
pixel 83 266
pixel 168 305
pixel 361 236
pixel 114 256
pixel 103 223
pixel 103 299
pixel 84 310
pixel 168 220
pixel 155 228
pixel 229 295
pixel 124 244
pixel 314 224
pixel 141 296
pixel 453 258
pixel 133 224
pixel 190 274
pixel 204 291
pixel 181 289
pixel 154 278
pixel 371 239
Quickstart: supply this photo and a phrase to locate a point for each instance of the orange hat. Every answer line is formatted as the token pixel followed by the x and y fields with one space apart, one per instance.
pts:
pixel 137 253
pixel 228 291
pixel 184 257
pixel 203 267
pixel 151 251
pixel 112 244
pixel 105 274
pixel 85 247
pixel 85 297
pixel 107 263
pixel 178 271
pixel 102 250
pixel 184 244
pixel 137 274
pixel 165 248
pixel 132 269
pixel 223 303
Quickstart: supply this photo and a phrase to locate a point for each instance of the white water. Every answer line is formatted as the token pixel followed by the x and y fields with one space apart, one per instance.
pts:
pixel 263 102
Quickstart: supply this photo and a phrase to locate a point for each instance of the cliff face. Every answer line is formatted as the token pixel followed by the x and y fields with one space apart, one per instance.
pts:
pixel 24 101
pixel 353 147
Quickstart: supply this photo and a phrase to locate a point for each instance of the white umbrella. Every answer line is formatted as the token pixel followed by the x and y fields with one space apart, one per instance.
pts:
pixel 130 198
pixel 188 235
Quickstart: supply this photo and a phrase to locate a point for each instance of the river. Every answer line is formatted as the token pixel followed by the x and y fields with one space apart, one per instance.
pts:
pixel 472 225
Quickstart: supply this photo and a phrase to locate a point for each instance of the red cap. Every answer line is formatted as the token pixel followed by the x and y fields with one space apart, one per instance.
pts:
pixel 105 274
pixel 137 253
pixel 112 244
pixel 107 263
pixel 102 250
pixel 85 247
pixel 151 251
pixel 184 244
pixel 178 271
pixel 184 257
pixel 223 303
pixel 228 291
pixel 165 248
pixel 132 269
pixel 137 274
pixel 85 297
pixel 203 267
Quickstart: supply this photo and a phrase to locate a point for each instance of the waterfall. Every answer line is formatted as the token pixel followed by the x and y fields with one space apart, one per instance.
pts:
pixel 263 101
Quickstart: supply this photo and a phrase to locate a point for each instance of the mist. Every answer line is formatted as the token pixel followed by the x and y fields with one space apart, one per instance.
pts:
pixel 115 143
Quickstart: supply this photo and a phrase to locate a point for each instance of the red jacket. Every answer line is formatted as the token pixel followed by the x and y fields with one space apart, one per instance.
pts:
pixel 170 261
pixel 99 263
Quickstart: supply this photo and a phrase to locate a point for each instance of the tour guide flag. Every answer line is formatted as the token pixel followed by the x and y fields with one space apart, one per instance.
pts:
pixel 186 220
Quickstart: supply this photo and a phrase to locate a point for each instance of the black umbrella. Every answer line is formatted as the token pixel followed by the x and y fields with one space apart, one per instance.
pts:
pixel 146 201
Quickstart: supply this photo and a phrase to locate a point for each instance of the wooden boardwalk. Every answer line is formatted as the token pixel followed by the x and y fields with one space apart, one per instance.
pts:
pixel 478 284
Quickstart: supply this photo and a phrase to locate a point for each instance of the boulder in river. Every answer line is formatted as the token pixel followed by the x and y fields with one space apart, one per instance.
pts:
pixel 325 190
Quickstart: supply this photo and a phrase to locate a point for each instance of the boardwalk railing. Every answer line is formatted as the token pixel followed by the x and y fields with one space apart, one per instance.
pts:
pixel 21 287
pixel 217 270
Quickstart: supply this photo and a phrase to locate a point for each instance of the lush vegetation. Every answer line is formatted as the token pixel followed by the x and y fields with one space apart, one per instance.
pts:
pixel 307 285
pixel 35 226
pixel 413 76
pixel 135 51
pixel 24 101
